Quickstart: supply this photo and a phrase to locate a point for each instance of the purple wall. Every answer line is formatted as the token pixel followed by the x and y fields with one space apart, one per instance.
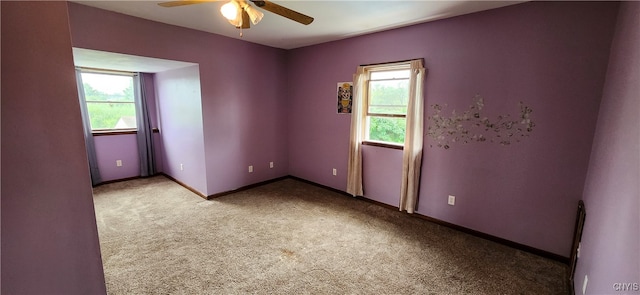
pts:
pixel 110 148
pixel 49 236
pixel 532 52
pixel 611 241
pixel 244 108
pixel 380 172
pixel 180 112
pixel 245 118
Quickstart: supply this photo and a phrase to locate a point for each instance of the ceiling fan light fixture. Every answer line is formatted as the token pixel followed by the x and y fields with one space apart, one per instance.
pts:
pixel 232 12
pixel 254 14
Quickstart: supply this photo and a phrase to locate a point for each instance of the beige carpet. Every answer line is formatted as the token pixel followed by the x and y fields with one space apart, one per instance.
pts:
pixel 289 237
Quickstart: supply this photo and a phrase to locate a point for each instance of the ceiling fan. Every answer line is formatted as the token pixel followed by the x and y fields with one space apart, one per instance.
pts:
pixel 240 13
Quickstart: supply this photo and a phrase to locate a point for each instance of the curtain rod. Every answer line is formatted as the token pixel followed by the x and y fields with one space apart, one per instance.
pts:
pixel 392 62
pixel 106 71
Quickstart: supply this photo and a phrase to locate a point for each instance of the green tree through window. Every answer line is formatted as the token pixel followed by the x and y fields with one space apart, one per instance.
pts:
pixel 387 101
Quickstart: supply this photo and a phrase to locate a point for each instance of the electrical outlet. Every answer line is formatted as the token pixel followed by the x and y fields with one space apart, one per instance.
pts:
pixel 452 200
pixel 335 171
pixel 118 163
pixel 270 164
pixel 181 167
pixel 250 168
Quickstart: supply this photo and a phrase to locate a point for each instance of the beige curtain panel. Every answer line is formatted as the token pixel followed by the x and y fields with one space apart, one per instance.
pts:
pixel 358 113
pixel 413 140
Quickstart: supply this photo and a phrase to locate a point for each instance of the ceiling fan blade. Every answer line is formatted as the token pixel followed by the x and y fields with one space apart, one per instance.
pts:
pixel 183 2
pixel 283 11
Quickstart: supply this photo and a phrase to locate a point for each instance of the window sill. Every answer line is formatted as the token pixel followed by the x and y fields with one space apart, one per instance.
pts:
pixel 119 132
pixel 384 144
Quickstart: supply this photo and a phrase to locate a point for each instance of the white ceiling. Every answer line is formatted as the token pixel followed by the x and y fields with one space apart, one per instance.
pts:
pixel 87 58
pixel 334 20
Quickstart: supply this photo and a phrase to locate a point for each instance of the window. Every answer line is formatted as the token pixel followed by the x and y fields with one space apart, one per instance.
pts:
pixel 110 100
pixel 387 98
pixel 388 111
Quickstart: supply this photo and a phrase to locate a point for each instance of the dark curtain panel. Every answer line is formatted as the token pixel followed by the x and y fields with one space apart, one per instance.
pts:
pixel 88 136
pixel 145 131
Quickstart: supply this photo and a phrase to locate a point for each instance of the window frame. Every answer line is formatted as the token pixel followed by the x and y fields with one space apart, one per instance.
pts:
pixel 398 66
pixel 111 131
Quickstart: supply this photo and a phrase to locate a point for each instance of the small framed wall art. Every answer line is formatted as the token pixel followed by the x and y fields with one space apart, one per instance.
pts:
pixel 345 97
